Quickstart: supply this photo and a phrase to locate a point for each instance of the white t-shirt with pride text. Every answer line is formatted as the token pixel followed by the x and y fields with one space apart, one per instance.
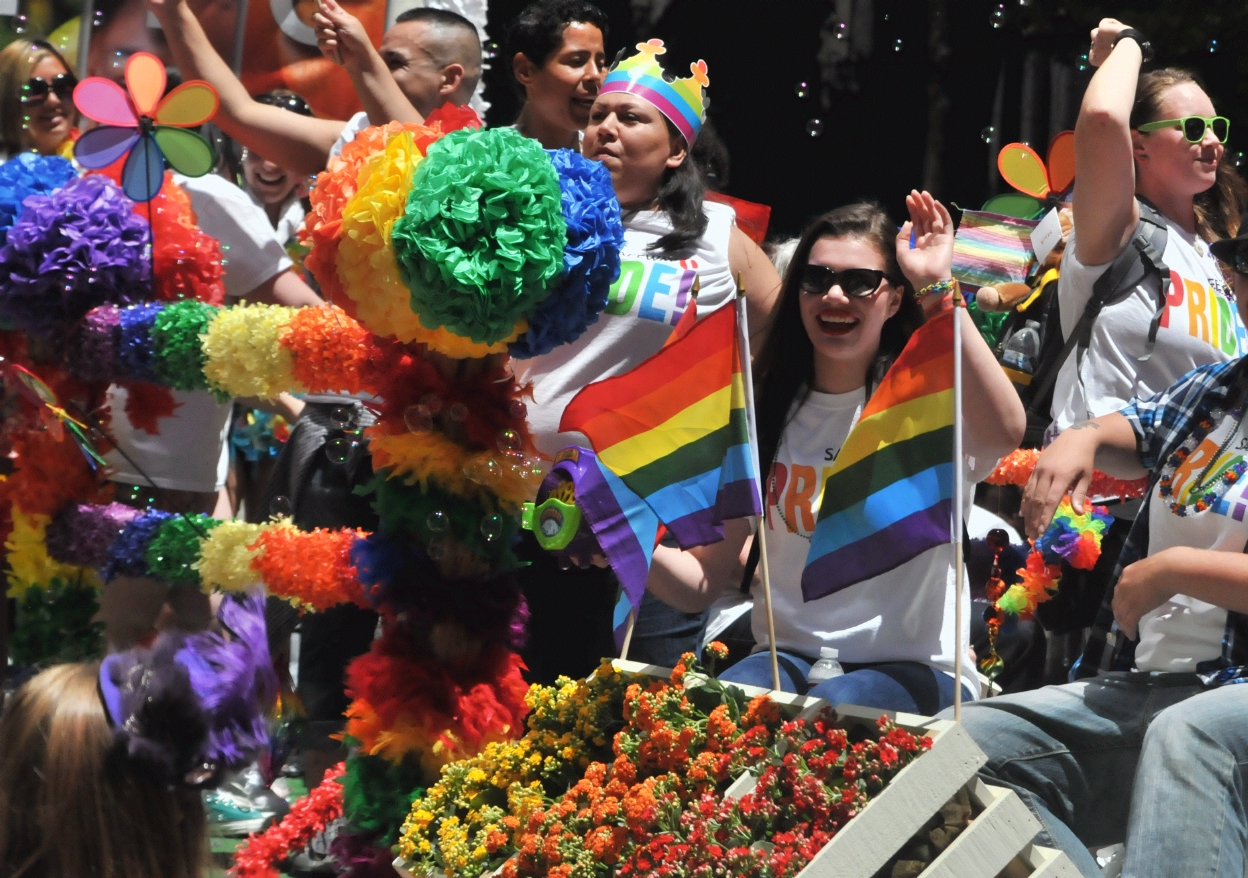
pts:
pixel 1200 325
pixel 906 614
pixel 1184 631
pixel 645 304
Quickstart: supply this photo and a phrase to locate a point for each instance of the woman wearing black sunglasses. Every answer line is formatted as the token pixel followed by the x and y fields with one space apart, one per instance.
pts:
pixel 36 100
pixel 847 308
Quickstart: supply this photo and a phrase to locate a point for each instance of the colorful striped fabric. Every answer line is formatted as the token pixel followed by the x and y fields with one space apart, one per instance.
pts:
pixel 991 249
pixel 675 429
pixel 624 526
pixel 889 495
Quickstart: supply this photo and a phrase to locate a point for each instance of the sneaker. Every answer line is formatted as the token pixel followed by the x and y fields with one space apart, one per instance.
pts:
pixel 315 859
pixel 242 804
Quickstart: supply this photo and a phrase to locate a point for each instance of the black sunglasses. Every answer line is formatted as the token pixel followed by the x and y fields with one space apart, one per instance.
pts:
pixel 36 91
pixel 291 102
pixel 857 283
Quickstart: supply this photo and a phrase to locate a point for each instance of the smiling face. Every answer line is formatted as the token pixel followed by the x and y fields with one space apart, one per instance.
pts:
pixel 845 331
pixel 1165 159
pixel 267 181
pixel 563 88
pixel 51 119
pixel 631 138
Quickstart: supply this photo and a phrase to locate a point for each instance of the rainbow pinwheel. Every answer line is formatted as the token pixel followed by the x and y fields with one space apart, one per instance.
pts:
pixel 147 127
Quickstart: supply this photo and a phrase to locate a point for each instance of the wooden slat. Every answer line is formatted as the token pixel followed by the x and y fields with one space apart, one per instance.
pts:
pixel 917 792
pixel 1048 863
pixel 993 839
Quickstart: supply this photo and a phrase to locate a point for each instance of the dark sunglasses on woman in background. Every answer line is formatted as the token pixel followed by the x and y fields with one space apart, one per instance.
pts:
pixel 37 89
pixel 857 283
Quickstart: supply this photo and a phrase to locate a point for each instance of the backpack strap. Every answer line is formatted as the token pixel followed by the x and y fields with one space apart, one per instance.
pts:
pixel 1141 256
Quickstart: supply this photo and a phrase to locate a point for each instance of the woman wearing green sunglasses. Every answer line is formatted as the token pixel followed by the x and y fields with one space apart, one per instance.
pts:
pixel 1154 137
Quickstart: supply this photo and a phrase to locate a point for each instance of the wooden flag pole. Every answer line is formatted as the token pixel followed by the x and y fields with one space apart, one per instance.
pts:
pixel 956 530
pixel 628 634
pixel 747 374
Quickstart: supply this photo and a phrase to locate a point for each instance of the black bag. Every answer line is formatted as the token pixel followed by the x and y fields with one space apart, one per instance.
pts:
pixel 1140 257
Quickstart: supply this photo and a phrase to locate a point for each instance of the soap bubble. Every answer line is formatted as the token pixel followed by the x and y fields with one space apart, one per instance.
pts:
pixel 341 416
pixel 897 45
pixel 436 548
pixel 417 419
pixel 802 89
pixel 279 506
pixel 998 17
pixel 509 440
pixel 339 450
pixel 1213 45
pixel 492 527
pixel 988 134
pixel 457 411
pixel 814 127
pixel 438 521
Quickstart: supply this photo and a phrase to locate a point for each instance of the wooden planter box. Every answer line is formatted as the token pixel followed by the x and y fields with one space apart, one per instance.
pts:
pixel 999 836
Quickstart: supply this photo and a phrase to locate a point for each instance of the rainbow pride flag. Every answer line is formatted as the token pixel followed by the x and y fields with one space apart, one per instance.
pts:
pixel 889 495
pixel 990 248
pixel 675 430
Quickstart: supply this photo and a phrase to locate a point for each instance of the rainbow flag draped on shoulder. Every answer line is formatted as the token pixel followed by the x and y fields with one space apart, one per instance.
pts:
pixel 675 430
pixel 889 495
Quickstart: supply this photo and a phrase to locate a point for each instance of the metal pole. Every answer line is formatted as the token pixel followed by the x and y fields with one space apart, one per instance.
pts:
pixel 86 22
pixel 240 37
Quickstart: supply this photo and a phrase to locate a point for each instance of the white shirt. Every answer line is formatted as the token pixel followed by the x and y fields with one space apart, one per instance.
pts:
pixel 354 126
pixel 1184 631
pixel 1200 326
pixel 645 303
pixel 189 453
pixel 906 614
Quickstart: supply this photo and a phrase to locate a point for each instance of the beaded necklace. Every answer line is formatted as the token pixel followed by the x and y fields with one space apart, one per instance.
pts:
pixel 1205 494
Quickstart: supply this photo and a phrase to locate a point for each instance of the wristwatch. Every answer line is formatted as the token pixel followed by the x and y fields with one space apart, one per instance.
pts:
pixel 1146 48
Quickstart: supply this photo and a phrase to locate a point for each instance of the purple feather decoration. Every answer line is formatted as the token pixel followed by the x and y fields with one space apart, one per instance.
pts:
pixel 356 858
pixel 82 534
pixel 91 354
pixel 234 679
pixel 162 730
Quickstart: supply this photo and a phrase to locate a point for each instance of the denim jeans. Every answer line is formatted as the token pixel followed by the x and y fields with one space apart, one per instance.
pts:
pixel 1152 759
pixel 663 634
pixel 911 687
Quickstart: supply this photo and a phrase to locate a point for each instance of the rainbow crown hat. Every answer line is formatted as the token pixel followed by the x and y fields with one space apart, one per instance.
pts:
pixel 682 101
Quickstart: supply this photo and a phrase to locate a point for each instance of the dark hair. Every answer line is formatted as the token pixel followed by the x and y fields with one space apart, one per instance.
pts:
pixel 17 60
pixel 537 32
pixel 785 367
pixel 285 99
pixel 1219 207
pixel 681 193
pixel 710 154
pixel 444 18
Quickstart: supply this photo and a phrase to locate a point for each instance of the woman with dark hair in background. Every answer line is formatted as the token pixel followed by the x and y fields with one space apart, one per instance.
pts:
pixel 36 100
pixel 558 59
pixel 671 239
pixel 847 308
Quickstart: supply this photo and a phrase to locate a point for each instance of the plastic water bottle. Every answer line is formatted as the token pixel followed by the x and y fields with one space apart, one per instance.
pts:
pixel 826 668
pixel 1023 348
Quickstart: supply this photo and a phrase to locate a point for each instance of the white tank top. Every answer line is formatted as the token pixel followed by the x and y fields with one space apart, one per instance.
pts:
pixel 646 301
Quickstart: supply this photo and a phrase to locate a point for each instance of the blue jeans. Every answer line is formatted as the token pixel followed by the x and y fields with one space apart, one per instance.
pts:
pixel 911 687
pixel 1152 759
pixel 663 634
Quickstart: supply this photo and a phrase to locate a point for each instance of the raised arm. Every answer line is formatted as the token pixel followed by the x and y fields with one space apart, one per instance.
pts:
pixel 762 285
pixel 992 414
pixel 1105 209
pixel 301 143
pixel 342 38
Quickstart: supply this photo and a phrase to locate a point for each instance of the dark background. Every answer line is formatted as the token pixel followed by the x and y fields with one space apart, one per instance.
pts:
pixel 942 85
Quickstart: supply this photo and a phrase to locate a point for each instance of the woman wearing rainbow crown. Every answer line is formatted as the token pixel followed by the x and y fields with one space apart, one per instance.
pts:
pixel 675 246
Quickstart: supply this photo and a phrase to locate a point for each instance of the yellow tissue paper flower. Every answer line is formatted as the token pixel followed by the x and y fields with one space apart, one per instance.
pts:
pixel 225 557
pixel 244 354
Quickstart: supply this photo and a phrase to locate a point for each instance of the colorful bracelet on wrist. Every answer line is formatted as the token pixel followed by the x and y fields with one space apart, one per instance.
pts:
pixel 941 286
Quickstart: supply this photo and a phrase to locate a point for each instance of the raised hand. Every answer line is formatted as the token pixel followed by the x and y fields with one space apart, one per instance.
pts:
pixel 1103 36
pixel 339 35
pixel 931 258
